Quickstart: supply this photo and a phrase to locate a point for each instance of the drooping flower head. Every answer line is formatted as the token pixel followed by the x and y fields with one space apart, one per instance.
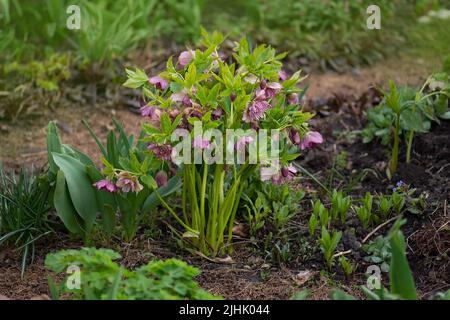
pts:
pixel 272 89
pixel 293 98
pixel 161 178
pixel 267 90
pixel 282 75
pixel 186 57
pixel 151 112
pixel 105 185
pixel 126 182
pixel 311 139
pixel 255 111
pixel 161 151
pixel 294 136
pixel 159 83
pixel 286 174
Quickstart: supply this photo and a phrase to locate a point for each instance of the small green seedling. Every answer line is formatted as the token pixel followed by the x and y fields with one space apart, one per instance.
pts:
pixel 313 223
pixel 328 245
pixel 347 266
pixel 339 205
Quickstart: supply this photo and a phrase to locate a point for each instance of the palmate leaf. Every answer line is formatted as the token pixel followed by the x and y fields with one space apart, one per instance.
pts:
pixel 81 191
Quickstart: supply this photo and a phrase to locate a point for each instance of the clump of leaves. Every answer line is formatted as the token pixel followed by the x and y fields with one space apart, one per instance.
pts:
pixel 405 111
pixel 45 74
pixel 364 212
pixel 347 266
pixel 103 279
pixel 340 205
pixel 24 212
pixel 328 244
pixel 379 252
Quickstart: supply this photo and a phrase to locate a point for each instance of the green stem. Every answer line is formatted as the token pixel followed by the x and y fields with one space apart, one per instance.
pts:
pixel 173 212
pixel 409 146
pixel 394 159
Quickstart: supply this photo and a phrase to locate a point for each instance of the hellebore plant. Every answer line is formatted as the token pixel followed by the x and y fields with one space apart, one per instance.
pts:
pixel 222 112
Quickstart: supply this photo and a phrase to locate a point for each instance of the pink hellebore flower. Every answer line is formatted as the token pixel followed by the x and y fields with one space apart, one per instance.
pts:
pixel 242 142
pixel 272 89
pixel 186 57
pixel 161 151
pixel 255 111
pixel 127 182
pixel 182 97
pixel 217 113
pixel 105 185
pixel 282 75
pixel 287 173
pixel 293 98
pixel 294 136
pixel 152 112
pixel 161 178
pixel 310 140
pixel 200 143
pixel 267 90
pixel 159 83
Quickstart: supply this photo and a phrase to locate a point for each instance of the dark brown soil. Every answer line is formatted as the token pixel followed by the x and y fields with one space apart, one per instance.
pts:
pixel 253 275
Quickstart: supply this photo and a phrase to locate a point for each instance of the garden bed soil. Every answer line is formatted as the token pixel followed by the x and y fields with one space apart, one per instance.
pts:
pixel 252 275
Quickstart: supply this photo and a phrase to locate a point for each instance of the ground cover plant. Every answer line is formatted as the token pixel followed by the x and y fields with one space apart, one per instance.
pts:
pixel 293 153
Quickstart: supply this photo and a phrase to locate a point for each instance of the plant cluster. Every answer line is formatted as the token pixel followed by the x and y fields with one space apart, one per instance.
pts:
pixel 248 96
pixel 406 111
pixel 370 209
pixel 402 286
pixel 78 184
pixel 24 212
pixel 101 278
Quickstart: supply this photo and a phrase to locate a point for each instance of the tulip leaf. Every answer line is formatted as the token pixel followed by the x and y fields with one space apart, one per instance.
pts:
pixel 401 279
pixel 80 188
pixel 64 207
pixel 53 145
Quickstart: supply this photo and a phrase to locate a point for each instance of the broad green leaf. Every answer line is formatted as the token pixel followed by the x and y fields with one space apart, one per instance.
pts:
pixel 53 145
pixel 64 207
pixel 401 279
pixel 80 188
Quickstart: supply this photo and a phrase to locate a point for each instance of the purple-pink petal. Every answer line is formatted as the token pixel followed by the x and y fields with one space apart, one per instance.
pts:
pixel 200 143
pixel 311 139
pixel 159 83
pixel 186 57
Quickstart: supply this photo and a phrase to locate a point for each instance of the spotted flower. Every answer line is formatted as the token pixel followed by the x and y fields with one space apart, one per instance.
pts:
pixel 159 83
pixel 151 112
pixel 126 182
pixel 161 151
pixel 255 111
